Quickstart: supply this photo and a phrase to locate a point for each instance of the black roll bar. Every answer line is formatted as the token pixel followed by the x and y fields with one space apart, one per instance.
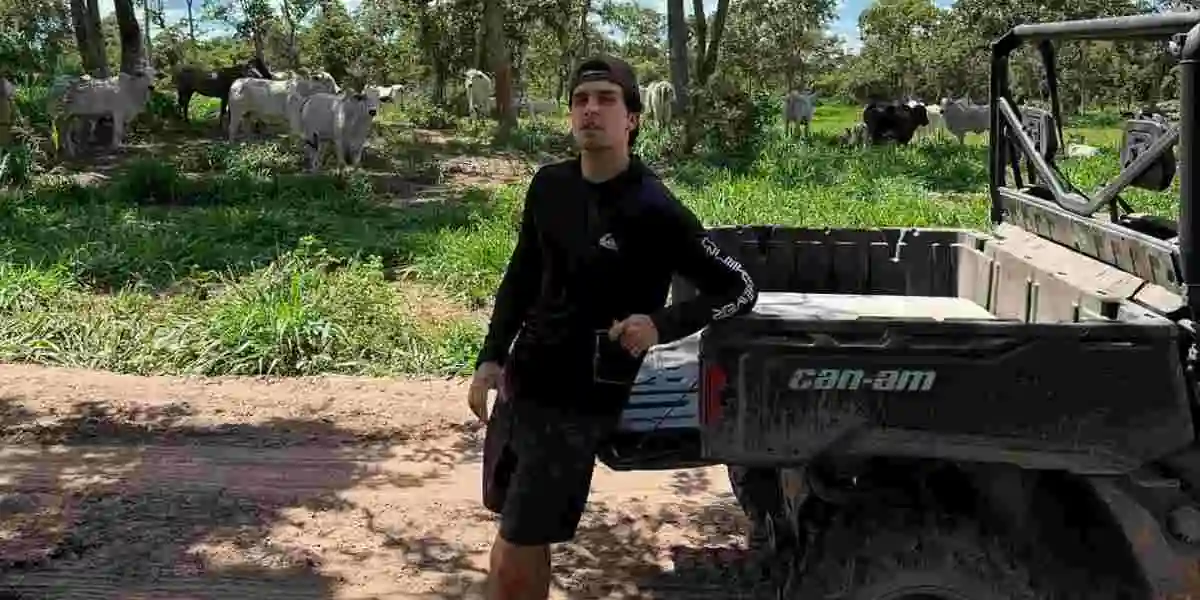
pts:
pixel 1189 212
pixel 1005 115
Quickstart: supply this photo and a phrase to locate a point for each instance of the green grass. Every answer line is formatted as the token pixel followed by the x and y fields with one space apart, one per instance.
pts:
pixel 251 268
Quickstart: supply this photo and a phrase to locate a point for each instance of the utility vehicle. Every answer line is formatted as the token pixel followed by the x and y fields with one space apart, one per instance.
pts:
pixel 959 414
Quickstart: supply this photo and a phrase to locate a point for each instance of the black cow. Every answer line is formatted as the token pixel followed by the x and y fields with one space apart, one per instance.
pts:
pixel 893 121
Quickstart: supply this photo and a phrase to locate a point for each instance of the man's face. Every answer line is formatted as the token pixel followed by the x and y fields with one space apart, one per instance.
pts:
pixel 599 119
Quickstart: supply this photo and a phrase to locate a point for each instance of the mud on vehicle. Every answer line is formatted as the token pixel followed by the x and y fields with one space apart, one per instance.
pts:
pixel 931 413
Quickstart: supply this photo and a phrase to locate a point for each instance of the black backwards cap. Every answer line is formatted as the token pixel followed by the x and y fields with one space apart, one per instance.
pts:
pixel 615 70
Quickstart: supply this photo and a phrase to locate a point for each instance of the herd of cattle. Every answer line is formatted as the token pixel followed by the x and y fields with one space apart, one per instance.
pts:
pixel 898 121
pixel 319 112
pixel 313 106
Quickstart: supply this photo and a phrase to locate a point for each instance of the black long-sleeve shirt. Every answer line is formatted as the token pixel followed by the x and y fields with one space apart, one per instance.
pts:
pixel 590 254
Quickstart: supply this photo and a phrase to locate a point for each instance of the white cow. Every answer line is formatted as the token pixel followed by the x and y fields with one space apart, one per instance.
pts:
pixel 83 128
pixel 799 107
pixel 479 93
pixel 388 91
pixel 122 97
pixel 961 117
pixel 660 96
pixel 1081 151
pixel 538 107
pixel 937 122
pixel 267 99
pixel 320 75
pixel 342 119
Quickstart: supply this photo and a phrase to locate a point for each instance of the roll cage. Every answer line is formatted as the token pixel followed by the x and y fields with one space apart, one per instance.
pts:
pixel 1161 252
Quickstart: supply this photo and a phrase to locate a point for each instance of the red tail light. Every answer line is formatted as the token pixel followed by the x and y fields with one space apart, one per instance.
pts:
pixel 710 394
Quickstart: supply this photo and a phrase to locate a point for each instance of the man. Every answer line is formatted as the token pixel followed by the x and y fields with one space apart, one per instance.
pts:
pixel 584 298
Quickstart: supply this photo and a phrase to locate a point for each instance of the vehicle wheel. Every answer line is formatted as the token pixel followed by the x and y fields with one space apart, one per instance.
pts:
pixel 757 492
pixel 908 555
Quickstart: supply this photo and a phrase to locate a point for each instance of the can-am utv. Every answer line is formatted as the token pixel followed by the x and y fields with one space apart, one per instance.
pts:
pixel 966 415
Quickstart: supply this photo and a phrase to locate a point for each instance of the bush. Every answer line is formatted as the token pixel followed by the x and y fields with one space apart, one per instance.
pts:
pixel 736 124
pixel 17 163
pixel 427 115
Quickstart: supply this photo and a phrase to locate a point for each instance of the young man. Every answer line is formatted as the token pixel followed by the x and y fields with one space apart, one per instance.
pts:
pixel 584 297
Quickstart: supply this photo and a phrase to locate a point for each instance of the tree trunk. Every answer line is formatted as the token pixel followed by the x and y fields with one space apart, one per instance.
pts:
pixel 705 71
pixel 133 54
pixel 701 35
pixel 584 38
pixel 85 19
pixel 146 23
pixel 191 22
pixel 493 17
pixel 259 46
pixel 677 31
pixel 706 65
pixel 440 77
pixel 562 38
pixel 293 55
pixel 482 60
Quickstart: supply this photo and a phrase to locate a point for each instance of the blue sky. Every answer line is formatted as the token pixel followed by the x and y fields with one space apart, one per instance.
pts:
pixel 845 24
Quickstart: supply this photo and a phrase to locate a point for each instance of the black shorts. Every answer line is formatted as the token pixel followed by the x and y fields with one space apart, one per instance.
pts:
pixel 537 468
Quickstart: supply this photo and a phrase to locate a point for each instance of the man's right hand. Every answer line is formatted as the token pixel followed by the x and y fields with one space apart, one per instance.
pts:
pixel 487 377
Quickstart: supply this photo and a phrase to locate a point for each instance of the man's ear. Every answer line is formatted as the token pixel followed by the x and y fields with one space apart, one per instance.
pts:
pixel 635 119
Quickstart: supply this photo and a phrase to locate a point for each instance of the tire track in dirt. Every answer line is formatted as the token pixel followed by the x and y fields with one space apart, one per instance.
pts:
pixel 115 486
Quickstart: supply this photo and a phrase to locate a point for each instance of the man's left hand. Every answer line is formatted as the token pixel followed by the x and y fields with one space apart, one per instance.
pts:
pixel 637 334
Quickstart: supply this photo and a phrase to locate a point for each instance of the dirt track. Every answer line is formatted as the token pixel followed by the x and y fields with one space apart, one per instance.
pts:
pixel 153 488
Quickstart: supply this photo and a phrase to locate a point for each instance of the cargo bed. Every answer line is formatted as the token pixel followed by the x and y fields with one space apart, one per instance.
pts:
pixel 936 343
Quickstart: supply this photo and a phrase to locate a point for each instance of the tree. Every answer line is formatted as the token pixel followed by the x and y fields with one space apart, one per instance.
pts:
pixel 642 33
pixel 133 53
pixel 677 36
pixel 34 35
pixel 85 16
pixel 901 30
pixel 707 50
pixel 338 40
pixel 777 42
pixel 250 18
pixel 294 12
pixel 493 24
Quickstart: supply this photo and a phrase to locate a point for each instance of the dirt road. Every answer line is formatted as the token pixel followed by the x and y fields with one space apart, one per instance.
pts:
pixel 152 488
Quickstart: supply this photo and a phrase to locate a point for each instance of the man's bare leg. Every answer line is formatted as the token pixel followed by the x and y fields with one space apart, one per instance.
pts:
pixel 518 572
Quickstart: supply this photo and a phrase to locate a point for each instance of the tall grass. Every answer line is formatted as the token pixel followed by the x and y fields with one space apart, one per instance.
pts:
pixel 250 268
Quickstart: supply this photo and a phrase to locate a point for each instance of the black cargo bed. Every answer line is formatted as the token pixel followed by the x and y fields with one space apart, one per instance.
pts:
pixel 943 344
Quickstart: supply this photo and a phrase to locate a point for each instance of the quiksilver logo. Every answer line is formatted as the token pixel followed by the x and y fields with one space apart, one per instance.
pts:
pixel 607 241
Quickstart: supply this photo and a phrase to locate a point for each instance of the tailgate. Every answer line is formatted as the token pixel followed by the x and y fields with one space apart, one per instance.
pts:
pixel 1095 397
pixel 660 426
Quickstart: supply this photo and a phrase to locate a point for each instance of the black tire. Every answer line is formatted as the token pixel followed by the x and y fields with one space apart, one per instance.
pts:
pixel 898 554
pixel 758 493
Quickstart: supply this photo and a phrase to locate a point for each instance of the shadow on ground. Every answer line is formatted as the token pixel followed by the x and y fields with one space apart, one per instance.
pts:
pixel 620 552
pixel 98 502
pixel 151 502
